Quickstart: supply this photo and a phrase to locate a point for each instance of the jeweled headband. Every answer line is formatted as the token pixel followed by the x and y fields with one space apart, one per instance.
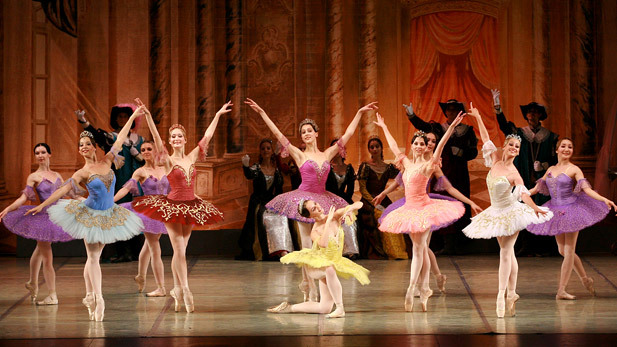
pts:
pixel 86 133
pixel 176 126
pixel 308 121
pixel 419 133
pixel 513 136
pixel 374 137
pixel 300 205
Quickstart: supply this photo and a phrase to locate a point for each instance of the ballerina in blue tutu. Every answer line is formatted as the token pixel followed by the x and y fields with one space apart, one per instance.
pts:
pixel 96 220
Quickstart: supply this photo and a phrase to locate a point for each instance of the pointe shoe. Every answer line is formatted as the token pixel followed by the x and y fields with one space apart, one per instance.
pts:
pixel 141 283
pixel 314 295
pixel 409 298
pixel 283 307
pixel 188 300
pixel 158 292
pixel 588 283
pixel 304 288
pixel 501 306
pixel 88 301
pixel 338 313
pixel 564 296
pixel 33 290
pixel 51 299
pixel 424 295
pixel 441 283
pixel 176 293
pixel 512 299
pixel 99 311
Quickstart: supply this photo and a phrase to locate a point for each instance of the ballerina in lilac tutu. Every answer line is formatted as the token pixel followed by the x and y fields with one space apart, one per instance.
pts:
pixel 441 183
pixel 153 181
pixel 96 220
pixel 314 167
pixel 42 182
pixel 575 206
pixel 420 214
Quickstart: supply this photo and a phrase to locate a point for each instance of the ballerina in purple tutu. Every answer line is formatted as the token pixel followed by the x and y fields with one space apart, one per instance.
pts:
pixel 42 182
pixel 153 181
pixel 575 206
pixel 314 167
pixel 441 183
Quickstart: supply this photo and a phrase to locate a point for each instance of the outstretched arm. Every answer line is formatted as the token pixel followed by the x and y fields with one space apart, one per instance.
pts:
pixel 332 150
pixel 483 132
pixel 30 182
pixel 578 175
pixel 59 193
pixel 117 146
pixel 203 143
pixel 158 143
pixel 379 198
pixel 415 120
pixel 391 141
pixel 138 175
pixel 446 136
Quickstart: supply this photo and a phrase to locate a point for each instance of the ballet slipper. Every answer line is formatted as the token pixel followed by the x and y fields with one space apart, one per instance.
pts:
pixel 416 293
pixel 304 288
pixel 338 313
pixel 188 300
pixel 88 301
pixel 441 283
pixel 51 299
pixel 158 292
pixel 99 311
pixel 141 283
pixel 283 307
pixel 588 283
pixel 176 293
pixel 563 295
pixel 501 304
pixel 424 295
pixel 512 299
pixel 409 298
pixel 34 290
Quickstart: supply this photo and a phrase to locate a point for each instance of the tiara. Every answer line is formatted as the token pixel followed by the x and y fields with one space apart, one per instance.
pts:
pixel 176 126
pixel 419 133
pixel 86 133
pixel 308 121
pixel 374 137
pixel 513 136
pixel 301 205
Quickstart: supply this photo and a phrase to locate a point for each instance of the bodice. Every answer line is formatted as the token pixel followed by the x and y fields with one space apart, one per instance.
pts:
pixel 415 186
pixel 561 188
pixel 47 187
pixel 154 186
pixel 181 183
pixel 313 176
pixel 500 191
pixel 100 191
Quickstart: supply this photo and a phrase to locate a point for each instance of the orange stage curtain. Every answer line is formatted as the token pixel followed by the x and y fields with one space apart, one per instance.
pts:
pixel 454 55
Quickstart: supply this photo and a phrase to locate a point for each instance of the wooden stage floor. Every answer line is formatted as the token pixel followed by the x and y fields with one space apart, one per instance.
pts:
pixel 231 298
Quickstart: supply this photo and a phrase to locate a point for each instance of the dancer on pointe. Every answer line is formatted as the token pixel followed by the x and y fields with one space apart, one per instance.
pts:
pixel 506 216
pixel 575 207
pixel 314 166
pixel 96 220
pixel 181 208
pixel 325 261
pixel 42 182
pixel 420 214
pixel 440 183
pixel 152 180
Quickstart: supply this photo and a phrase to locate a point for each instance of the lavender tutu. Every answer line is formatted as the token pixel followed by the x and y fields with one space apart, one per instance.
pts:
pixel 36 227
pixel 150 186
pixel 573 210
pixel 313 188
pixel 151 226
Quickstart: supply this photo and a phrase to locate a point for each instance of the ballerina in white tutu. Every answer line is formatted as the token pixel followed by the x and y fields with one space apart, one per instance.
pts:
pixel 507 215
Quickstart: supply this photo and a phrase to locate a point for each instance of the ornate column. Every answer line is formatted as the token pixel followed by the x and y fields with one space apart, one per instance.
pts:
pixel 541 71
pixel 160 68
pixel 233 74
pixel 205 71
pixel 368 69
pixel 334 92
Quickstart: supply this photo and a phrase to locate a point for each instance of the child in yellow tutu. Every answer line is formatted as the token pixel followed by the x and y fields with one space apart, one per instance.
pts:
pixel 325 261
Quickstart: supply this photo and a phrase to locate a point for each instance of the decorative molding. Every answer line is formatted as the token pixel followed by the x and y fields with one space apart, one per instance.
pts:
pixel 419 8
pixel 270 60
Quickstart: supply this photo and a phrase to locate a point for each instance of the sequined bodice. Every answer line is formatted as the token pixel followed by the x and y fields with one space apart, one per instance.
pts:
pixel 100 191
pixel 313 176
pixel 181 183
pixel 154 186
pixel 500 191
pixel 47 187
pixel 561 189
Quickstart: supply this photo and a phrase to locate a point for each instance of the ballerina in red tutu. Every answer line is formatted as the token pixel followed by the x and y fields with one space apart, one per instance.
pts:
pixel 180 209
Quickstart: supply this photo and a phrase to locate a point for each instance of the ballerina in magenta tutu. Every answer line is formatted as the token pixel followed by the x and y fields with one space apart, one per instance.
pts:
pixel 420 214
pixel 153 181
pixel 441 184
pixel 314 167
pixel 43 182
pixel 575 206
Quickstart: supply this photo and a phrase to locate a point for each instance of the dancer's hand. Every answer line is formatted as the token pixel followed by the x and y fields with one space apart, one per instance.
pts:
pixel 246 160
pixel 458 119
pixel 226 108
pixel 378 199
pixel 496 102
pixel 369 107
pixel 34 211
pixel 380 123
pixel 540 211
pixel 408 108
pixel 473 111
pixel 143 107
pixel 330 214
pixel 610 204
pixel 476 209
pixel 81 116
pixel 3 213
pixel 252 104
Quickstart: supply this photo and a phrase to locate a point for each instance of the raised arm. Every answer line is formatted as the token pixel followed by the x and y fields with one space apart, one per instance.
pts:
pixel 416 121
pixel 117 146
pixel 391 141
pixel 446 136
pixel 203 143
pixel 483 132
pixel 158 142
pixel 333 150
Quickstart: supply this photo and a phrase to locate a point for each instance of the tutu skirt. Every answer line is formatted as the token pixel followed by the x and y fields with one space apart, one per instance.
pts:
pixel 95 226
pixel 506 221
pixel 581 213
pixel 187 212
pixel 287 203
pixel 417 217
pixel 400 202
pixel 151 226
pixel 36 227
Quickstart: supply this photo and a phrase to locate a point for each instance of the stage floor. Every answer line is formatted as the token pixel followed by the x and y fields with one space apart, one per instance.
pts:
pixel 231 298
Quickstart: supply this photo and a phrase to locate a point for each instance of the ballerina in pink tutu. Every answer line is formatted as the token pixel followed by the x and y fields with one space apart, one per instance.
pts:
pixel 314 167
pixel 420 214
